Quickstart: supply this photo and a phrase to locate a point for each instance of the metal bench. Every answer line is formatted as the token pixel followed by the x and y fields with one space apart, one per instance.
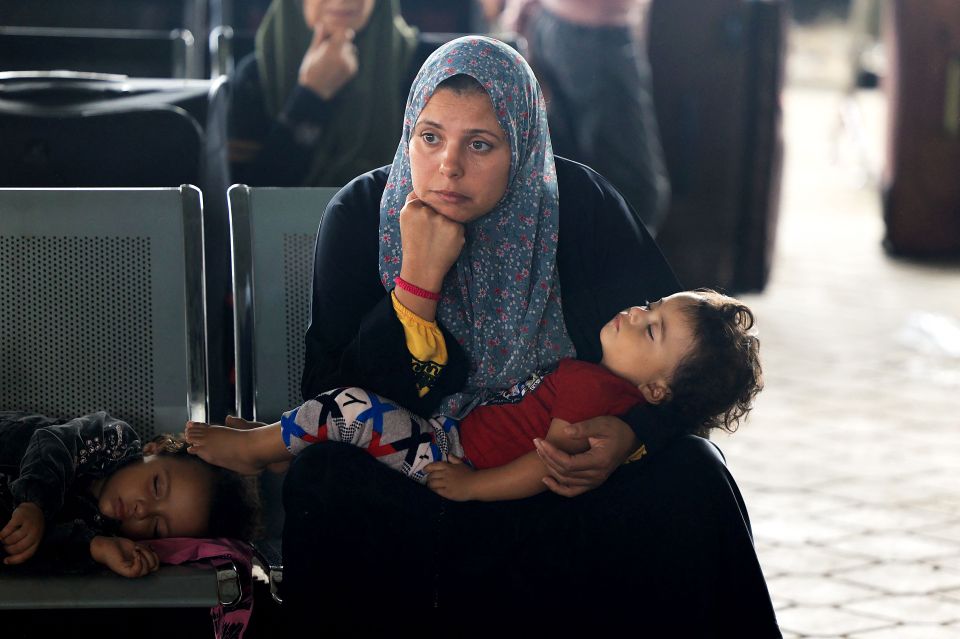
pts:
pixel 101 308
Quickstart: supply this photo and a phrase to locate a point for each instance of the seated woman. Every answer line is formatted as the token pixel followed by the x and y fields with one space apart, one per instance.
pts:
pixel 509 260
pixel 320 99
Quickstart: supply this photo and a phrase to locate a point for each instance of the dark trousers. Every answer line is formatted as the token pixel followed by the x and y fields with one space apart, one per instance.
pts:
pixel 663 545
pixel 601 108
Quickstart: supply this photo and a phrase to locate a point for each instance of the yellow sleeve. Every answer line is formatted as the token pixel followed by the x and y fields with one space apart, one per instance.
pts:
pixel 428 350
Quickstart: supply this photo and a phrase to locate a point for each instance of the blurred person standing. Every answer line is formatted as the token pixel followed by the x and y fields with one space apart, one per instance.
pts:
pixel 590 56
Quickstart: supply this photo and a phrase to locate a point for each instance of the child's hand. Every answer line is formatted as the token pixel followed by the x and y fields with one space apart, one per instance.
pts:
pixel 123 556
pixel 22 535
pixel 451 479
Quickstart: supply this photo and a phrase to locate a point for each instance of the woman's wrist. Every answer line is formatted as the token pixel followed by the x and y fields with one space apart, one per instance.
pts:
pixel 419 306
pixel 413 289
pixel 423 278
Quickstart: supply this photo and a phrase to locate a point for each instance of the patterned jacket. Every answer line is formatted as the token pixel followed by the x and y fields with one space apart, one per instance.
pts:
pixel 53 463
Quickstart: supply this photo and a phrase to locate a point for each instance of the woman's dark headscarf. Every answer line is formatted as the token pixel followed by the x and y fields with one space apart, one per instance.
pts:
pixel 362 132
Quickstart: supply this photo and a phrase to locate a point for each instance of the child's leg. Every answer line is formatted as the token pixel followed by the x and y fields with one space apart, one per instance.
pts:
pixel 395 436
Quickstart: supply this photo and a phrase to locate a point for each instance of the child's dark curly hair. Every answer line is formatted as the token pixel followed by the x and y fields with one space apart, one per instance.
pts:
pixel 715 383
pixel 234 501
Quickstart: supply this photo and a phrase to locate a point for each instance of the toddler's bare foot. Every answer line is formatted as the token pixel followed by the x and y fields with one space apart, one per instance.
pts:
pixel 222 446
pixel 242 424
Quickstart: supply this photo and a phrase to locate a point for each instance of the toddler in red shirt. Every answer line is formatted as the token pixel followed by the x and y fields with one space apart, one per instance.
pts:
pixel 693 349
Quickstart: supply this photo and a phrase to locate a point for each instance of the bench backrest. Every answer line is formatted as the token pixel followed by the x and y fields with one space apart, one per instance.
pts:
pixel 101 304
pixel 274 233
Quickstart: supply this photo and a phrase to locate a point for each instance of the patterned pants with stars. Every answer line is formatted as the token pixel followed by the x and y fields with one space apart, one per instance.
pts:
pixel 395 436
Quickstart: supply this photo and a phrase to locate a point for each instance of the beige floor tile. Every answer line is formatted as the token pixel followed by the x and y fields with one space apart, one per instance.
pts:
pixel 807 560
pixel 895 547
pixel 903 579
pixel 946 563
pixel 765 502
pixel 817 591
pixel 949 532
pixel 890 517
pixel 911 631
pixel 871 486
pixel 909 608
pixel 796 529
pixel 825 621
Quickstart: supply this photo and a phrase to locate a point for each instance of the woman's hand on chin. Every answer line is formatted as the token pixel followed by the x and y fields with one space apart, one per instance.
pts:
pixel 430 243
pixel 330 62
pixel 611 441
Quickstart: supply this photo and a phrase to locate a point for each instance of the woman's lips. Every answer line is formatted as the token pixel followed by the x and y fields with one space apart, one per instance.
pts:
pixel 118 509
pixel 616 323
pixel 451 197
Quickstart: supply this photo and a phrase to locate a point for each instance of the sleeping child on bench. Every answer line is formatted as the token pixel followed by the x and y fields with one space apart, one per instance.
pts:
pixel 83 492
pixel 694 350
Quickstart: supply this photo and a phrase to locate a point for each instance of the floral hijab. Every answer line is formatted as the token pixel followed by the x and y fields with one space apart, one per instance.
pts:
pixel 501 300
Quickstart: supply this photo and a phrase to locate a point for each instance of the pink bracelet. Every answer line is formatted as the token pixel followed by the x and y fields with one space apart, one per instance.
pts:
pixel 416 290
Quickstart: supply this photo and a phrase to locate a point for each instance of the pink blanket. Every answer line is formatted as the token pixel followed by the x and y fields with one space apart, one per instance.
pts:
pixel 227 624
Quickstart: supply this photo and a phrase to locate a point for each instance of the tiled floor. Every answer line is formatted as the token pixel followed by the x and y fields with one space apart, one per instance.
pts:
pixel 850 463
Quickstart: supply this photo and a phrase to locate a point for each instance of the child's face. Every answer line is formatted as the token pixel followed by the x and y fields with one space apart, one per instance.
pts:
pixel 644 344
pixel 162 496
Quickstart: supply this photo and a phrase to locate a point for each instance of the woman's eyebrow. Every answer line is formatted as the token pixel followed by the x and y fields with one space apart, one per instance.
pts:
pixel 436 125
pixel 430 123
pixel 486 131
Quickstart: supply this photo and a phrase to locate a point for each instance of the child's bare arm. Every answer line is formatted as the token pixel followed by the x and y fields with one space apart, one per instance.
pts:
pixel 523 477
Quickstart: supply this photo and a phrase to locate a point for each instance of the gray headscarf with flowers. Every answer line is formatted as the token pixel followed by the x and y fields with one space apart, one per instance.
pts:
pixel 501 300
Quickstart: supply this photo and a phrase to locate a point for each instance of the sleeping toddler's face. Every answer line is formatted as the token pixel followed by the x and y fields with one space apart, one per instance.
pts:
pixel 645 344
pixel 162 496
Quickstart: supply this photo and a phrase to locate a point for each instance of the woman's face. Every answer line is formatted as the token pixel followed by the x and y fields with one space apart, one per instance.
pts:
pixel 459 155
pixel 338 15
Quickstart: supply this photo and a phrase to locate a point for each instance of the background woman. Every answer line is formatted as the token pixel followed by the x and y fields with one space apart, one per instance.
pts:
pixel 320 99
pixel 530 256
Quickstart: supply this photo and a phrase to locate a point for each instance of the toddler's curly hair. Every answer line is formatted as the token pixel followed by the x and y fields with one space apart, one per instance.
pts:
pixel 715 384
